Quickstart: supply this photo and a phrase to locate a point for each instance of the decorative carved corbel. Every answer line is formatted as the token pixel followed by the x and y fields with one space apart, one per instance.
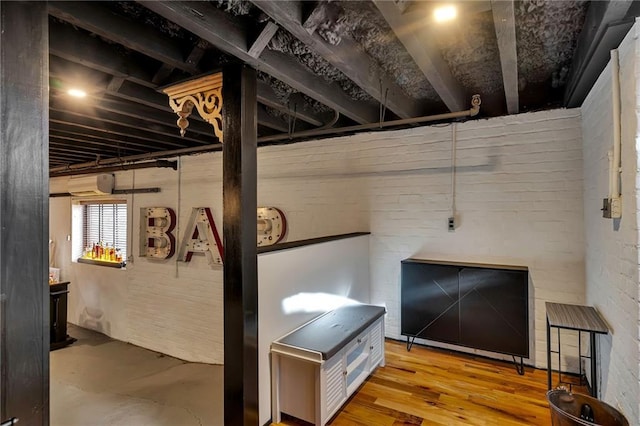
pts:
pixel 205 93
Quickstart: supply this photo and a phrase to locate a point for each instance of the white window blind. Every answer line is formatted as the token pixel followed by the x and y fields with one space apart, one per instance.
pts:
pixel 106 223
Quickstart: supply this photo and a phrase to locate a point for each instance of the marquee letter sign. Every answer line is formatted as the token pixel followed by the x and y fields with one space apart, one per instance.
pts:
pixel 157 225
pixel 156 237
pixel 272 226
pixel 201 236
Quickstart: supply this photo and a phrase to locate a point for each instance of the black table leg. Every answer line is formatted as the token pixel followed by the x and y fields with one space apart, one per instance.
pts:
pixel 594 371
pixel 548 355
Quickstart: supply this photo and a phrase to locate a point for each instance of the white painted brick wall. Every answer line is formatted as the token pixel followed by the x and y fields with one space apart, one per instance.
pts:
pixel 611 257
pixel 518 195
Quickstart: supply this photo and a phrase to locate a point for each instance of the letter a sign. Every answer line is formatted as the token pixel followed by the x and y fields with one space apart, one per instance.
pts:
pixel 201 236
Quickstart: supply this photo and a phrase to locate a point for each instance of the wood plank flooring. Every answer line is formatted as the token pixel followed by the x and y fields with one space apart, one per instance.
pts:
pixel 429 386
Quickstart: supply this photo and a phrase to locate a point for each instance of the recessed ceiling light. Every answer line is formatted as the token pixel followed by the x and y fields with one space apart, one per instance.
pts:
pixel 77 93
pixel 445 13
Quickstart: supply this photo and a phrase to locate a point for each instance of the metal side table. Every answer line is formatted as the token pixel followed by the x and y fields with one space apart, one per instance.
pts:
pixel 582 319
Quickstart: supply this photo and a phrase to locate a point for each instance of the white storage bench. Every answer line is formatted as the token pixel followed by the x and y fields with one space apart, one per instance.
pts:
pixel 316 368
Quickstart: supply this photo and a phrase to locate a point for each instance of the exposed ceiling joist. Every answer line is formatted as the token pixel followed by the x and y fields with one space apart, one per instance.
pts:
pixel 504 21
pixel 63 145
pixel 82 142
pixel 414 35
pixel 96 137
pixel 121 131
pixel 162 74
pixel 602 31
pixel 227 34
pixel 96 54
pixel 264 37
pixel 101 21
pixel 271 122
pixel 133 112
pixel 142 96
pixel 115 84
pixel 92 52
pixel 347 56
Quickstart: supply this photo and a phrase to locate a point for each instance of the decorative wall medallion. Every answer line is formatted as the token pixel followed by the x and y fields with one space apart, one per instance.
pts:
pixel 272 226
pixel 156 237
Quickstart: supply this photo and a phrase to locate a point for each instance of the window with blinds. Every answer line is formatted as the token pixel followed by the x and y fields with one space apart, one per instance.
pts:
pixel 106 223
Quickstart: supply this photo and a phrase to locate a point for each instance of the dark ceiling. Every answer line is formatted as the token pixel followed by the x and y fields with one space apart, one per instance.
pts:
pixel 321 64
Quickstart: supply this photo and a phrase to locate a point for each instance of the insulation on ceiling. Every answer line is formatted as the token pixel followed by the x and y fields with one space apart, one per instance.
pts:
pixel 362 21
pixel 546 34
pixel 470 48
pixel 284 42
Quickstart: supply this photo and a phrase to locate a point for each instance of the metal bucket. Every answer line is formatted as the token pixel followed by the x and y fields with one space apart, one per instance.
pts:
pixel 567 409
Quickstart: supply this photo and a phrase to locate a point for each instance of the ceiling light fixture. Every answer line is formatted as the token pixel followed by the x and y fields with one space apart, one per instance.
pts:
pixel 445 13
pixel 77 93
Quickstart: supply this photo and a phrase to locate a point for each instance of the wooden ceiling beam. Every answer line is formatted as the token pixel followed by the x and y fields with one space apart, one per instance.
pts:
pixel 414 35
pixel 63 145
pixel 604 28
pixel 102 115
pixel 227 34
pixel 263 38
pixel 139 112
pixel 162 74
pixel 64 158
pixel 115 84
pixel 100 20
pixel 347 56
pixel 270 121
pixel 142 99
pixel 504 22
pixel 64 117
pixel 67 43
pixel 55 149
pixel 88 143
pixel 97 137
pixel 153 130
pixel 90 52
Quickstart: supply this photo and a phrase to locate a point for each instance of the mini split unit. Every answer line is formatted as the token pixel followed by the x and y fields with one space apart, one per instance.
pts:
pixel 87 186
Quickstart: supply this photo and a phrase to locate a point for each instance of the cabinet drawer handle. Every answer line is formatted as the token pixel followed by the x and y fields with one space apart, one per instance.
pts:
pixel 344 373
pixel 371 347
pixel 359 340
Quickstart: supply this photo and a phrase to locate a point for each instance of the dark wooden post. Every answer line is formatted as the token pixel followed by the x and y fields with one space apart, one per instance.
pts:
pixel 24 212
pixel 239 118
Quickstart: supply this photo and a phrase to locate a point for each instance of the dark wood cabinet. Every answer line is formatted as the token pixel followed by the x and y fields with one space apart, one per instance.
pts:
pixel 472 305
pixel 58 316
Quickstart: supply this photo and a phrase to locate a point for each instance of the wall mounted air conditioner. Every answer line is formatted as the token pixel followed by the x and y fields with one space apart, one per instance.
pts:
pixel 87 186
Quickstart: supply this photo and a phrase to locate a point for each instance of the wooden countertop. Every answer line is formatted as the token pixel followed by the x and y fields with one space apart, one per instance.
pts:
pixel 575 317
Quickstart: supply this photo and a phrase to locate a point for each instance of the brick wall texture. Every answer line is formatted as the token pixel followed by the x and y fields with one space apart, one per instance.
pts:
pixel 611 254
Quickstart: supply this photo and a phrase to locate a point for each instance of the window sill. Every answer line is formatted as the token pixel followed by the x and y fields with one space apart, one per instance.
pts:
pixel 102 263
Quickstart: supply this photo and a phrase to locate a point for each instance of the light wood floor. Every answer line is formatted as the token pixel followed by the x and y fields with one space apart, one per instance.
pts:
pixel 435 387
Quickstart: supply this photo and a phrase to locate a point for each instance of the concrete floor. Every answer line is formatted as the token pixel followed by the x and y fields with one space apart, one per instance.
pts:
pixel 100 381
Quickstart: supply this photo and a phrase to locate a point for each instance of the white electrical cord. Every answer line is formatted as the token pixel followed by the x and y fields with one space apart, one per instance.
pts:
pixel 179 194
pixel 453 169
pixel 130 236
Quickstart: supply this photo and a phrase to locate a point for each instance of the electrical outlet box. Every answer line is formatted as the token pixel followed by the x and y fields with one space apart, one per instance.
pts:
pixel 606 208
pixel 451 223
